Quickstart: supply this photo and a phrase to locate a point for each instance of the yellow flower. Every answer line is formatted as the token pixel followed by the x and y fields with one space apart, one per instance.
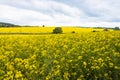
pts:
pixel 111 64
pixel 55 62
pixel 100 60
pixel 106 74
pixel 92 57
pixel 81 77
pixel 74 73
pixel 66 76
pixel 63 58
pixel 65 46
pixel 58 66
pixel 79 57
pixel 84 63
pixel 18 74
pixel 47 78
pixel 92 67
pixel 116 67
pixel 44 52
pixel 97 67
pixel 70 61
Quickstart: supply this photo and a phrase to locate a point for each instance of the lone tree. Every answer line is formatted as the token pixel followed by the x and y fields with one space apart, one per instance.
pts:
pixel 94 31
pixel 105 29
pixel 57 30
pixel 43 25
pixel 73 31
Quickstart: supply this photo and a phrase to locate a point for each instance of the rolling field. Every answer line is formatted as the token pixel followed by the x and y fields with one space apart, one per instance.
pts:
pixel 44 29
pixel 84 55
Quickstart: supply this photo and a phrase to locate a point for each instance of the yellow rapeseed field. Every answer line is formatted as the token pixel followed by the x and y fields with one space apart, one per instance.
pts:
pixel 78 56
pixel 44 29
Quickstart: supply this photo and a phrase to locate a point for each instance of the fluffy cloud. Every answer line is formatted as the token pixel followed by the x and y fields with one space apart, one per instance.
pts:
pixel 54 12
pixel 37 12
pixel 104 10
pixel 21 15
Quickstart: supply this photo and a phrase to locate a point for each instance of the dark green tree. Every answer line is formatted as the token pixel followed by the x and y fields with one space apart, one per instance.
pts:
pixel 57 30
pixel 43 25
pixel 105 29
pixel 116 28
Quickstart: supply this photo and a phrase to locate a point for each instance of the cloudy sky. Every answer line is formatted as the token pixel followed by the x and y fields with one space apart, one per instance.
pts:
pixel 61 12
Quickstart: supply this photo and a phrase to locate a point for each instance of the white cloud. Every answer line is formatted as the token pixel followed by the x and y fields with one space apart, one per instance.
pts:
pixel 21 15
pixel 105 9
pixel 40 12
pixel 53 12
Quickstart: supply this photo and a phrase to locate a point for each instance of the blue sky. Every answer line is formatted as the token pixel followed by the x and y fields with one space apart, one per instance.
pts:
pixel 61 12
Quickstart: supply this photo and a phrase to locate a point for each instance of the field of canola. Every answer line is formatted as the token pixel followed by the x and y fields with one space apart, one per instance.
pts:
pixel 85 56
pixel 44 29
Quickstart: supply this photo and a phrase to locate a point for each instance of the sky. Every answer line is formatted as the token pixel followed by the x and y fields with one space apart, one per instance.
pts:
pixel 89 13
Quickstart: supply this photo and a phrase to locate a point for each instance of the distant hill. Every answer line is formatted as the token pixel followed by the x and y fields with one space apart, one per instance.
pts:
pixel 3 24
